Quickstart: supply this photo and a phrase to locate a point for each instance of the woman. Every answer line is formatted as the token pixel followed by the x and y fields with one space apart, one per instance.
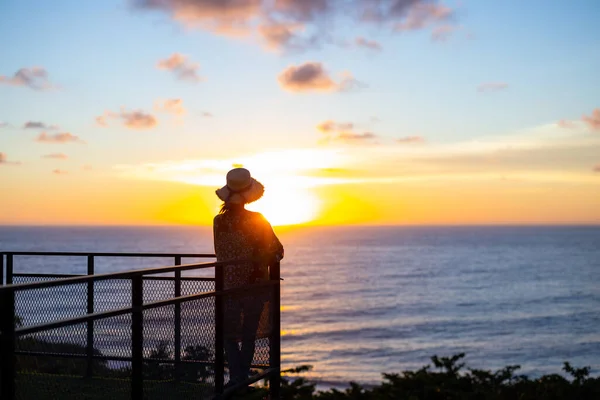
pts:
pixel 240 234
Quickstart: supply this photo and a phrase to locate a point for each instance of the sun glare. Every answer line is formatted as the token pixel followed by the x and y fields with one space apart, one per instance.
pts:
pixel 285 206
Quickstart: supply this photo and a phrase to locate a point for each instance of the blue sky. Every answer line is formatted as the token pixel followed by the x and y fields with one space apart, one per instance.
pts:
pixel 103 55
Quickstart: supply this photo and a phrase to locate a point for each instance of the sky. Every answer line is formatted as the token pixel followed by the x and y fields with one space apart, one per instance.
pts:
pixel 377 112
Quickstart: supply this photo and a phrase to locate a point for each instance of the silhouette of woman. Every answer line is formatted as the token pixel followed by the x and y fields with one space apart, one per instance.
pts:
pixel 240 234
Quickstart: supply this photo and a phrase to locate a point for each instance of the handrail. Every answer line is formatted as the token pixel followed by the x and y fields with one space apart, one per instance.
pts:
pixel 108 254
pixel 114 275
pixel 149 278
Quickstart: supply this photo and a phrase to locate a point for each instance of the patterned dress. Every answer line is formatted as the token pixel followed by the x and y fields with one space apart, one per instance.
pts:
pixel 238 235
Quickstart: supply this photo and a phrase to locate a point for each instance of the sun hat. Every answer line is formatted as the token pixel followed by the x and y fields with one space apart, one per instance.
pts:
pixel 241 188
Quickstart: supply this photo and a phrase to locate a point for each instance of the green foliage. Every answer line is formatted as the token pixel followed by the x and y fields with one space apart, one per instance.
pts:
pixel 452 380
pixel 55 365
pixel 448 379
pixel 196 372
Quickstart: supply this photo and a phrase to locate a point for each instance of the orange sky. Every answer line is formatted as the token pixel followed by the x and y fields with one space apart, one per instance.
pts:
pixel 426 112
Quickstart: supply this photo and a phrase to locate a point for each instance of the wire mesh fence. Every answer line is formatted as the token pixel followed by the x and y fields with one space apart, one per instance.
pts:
pixel 104 337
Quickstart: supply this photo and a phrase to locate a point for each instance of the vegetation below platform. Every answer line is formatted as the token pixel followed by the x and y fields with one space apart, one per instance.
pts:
pixel 450 379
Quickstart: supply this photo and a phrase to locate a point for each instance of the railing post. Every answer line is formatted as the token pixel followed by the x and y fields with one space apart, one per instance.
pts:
pixel 219 333
pixel 275 339
pixel 7 345
pixel 90 324
pixel 177 321
pixel 9 268
pixel 137 338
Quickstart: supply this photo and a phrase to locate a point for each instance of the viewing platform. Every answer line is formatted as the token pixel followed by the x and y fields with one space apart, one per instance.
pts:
pixel 153 333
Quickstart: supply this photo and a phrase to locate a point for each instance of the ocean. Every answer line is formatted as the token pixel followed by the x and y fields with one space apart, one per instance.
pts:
pixel 360 301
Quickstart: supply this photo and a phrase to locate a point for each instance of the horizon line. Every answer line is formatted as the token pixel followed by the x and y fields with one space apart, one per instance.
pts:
pixel 457 225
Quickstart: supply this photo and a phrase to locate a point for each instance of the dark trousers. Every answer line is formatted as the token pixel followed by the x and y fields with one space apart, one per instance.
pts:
pixel 241 313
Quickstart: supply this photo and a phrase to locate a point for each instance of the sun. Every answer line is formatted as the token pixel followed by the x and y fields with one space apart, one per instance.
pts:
pixel 287 206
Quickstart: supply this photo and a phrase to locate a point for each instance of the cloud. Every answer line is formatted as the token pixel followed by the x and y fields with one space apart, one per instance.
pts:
pixel 64 137
pixel 492 87
pixel 56 156
pixel 4 124
pixel 284 35
pixel 35 78
pixel 593 120
pixel 342 132
pixel 368 44
pixel 411 139
pixel 353 137
pixel 38 125
pixel 597 168
pixel 299 24
pixel 566 124
pixel 181 67
pixel 171 106
pixel 206 114
pixel 60 172
pixel 312 77
pixel 138 120
pixel 4 160
pixel 443 32
pixel 87 168
pixel 421 14
pixel 332 126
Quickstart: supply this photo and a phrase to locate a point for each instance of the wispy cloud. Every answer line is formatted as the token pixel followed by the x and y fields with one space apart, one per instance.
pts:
pixel 58 138
pixel 181 67
pixel 443 32
pixel 332 126
pixel 492 87
pixel 596 168
pixel 411 139
pixel 171 106
pixel 593 120
pixel 206 114
pixel 422 15
pixel 300 163
pixel 368 44
pixel 300 24
pixel 60 172
pixel 343 132
pixel 312 77
pixel 4 160
pixel 284 35
pixel 4 124
pixel 355 137
pixel 56 156
pixel 566 124
pixel 35 78
pixel 39 125
pixel 543 154
pixel 137 120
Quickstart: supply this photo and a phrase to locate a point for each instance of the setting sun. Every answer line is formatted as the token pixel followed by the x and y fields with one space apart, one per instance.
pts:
pixel 285 206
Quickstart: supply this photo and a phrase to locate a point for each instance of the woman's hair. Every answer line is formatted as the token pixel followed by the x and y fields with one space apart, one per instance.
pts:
pixel 227 207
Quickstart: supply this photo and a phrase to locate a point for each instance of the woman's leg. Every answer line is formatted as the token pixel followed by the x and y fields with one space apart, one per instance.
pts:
pixel 232 325
pixel 252 312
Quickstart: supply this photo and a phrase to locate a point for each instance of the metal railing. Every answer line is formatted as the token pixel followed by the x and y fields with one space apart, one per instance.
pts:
pixel 134 314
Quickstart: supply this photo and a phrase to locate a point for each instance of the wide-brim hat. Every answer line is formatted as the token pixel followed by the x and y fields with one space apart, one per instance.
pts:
pixel 241 188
